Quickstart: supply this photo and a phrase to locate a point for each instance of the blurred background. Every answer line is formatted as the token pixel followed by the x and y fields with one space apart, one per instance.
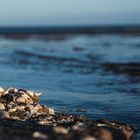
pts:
pixel 65 12
pixel 84 56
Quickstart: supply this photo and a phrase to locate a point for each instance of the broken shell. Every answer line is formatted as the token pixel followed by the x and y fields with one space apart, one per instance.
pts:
pixel 4 114
pixel 2 107
pixel 27 98
pixel 60 130
pixel 33 94
pixel 22 104
pixel 30 93
pixel 51 111
pixel 1 94
pixel 89 138
pixel 10 90
pixel 37 94
pixel 21 100
pixel 12 110
pixel 1 90
pixel 39 135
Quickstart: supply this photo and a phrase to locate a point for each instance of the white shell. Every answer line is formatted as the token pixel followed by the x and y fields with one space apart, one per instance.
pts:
pixel 33 94
pixel 51 111
pixel 30 93
pixel 37 94
pixel 11 88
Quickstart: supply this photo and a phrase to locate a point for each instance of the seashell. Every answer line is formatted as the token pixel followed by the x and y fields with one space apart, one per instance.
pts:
pixel 47 110
pixel 12 110
pixel 38 106
pixel 4 114
pixel 2 107
pixel 17 108
pixel 27 98
pixel 23 90
pixel 1 94
pixel 10 90
pixel 60 130
pixel 101 125
pixel 28 107
pixel 39 135
pixel 37 94
pixel 33 95
pixel 30 93
pixel 51 111
pixel 9 98
pixel 21 100
pixel 1 90
pixel 89 138
pixel 45 122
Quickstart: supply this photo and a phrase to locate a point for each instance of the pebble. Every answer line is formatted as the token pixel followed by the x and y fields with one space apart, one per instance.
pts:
pixel 39 135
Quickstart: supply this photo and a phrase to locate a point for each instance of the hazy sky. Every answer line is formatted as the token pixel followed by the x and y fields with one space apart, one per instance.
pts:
pixel 68 12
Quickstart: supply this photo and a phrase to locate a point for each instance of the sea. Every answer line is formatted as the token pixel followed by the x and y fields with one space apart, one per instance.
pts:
pixel 85 71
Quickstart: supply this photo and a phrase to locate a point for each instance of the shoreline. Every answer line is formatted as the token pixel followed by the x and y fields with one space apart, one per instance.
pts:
pixel 23 117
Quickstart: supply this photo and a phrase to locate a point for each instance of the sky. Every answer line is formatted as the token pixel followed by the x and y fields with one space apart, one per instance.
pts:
pixel 69 12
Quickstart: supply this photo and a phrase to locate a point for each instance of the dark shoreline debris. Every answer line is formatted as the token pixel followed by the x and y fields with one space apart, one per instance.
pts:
pixel 23 117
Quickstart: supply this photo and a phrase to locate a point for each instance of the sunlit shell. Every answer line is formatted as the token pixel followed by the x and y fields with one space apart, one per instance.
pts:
pixel 27 98
pixel 22 104
pixel 12 110
pixel 39 135
pixel 30 93
pixel 1 94
pixel 1 90
pixel 2 107
pixel 60 130
pixel 37 94
pixel 21 100
pixel 51 111
pixel 10 90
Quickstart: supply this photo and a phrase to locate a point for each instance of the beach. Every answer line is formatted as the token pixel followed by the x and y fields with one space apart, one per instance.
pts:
pixel 95 75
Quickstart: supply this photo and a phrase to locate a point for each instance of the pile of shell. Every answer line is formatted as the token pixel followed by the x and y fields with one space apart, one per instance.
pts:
pixel 21 104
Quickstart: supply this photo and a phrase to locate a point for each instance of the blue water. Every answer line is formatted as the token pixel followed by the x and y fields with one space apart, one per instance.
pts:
pixel 74 73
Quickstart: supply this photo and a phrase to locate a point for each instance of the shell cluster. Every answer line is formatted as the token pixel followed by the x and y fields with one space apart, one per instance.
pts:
pixel 21 104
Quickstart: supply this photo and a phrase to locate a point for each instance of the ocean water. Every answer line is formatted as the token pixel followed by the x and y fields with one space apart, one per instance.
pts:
pixel 94 75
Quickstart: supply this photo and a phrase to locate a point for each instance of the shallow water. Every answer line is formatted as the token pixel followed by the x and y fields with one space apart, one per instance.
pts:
pixel 98 76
